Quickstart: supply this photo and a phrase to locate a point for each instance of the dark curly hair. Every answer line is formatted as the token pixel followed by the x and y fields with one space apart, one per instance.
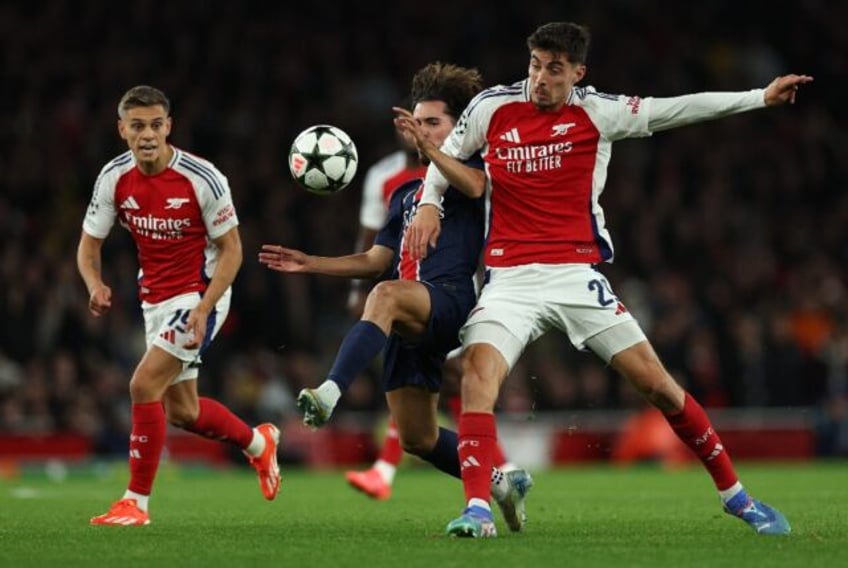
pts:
pixel 451 84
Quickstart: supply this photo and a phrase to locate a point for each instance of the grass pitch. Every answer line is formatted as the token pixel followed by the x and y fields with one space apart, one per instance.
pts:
pixel 578 517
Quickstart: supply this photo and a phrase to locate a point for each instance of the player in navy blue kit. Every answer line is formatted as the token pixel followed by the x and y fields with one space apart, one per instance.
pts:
pixel 415 316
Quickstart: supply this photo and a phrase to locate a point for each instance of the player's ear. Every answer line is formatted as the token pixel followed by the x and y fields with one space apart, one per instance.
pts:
pixel 122 129
pixel 168 124
pixel 579 72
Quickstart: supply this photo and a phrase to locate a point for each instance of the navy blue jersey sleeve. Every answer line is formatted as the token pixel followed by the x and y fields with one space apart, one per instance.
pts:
pixel 392 232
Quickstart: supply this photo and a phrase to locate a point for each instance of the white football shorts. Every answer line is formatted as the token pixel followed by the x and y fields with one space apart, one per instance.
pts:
pixel 518 304
pixel 164 327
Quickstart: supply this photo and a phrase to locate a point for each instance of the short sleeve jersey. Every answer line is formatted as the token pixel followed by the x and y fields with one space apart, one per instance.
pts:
pixel 547 170
pixel 173 217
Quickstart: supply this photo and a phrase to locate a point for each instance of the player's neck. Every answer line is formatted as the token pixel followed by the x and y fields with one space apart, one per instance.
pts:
pixel 159 165
pixel 556 106
pixel 552 108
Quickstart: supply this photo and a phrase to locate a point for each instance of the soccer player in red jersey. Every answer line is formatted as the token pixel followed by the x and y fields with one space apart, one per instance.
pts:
pixel 546 143
pixel 179 211
pixel 415 316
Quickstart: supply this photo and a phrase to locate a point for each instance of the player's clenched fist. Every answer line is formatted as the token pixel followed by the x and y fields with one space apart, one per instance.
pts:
pixel 100 300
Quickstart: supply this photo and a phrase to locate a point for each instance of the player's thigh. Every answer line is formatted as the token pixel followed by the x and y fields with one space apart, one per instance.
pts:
pixel 483 371
pixel 415 412
pixel 165 328
pixel 406 302
pixel 509 314
pixel 156 370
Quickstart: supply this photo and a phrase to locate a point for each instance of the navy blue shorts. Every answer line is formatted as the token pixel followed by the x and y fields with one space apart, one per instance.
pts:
pixel 408 363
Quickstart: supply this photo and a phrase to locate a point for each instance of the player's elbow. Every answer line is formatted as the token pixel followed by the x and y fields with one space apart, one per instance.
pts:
pixel 477 190
pixel 377 261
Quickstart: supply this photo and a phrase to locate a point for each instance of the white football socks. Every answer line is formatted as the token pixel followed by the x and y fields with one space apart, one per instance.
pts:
pixel 256 445
pixel 386 470
pixel 329 393
pixel 141 500
pixel 730 492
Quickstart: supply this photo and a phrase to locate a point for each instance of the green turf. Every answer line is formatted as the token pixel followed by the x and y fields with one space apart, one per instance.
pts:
pixel 579 517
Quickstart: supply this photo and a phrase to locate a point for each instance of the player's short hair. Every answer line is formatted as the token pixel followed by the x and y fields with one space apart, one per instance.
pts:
pixel 453 85
pixel 143 96
pixel 566 38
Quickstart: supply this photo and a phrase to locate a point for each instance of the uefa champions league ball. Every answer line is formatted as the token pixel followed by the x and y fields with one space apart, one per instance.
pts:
pixel 323 159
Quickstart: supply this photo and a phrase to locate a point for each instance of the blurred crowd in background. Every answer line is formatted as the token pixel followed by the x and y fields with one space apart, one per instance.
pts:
pixel 731 237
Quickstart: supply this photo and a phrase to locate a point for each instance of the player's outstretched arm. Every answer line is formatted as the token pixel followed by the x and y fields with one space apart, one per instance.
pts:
pixel 672 112
pixel 369 264
pixel 423 231
pixel 284 259
pixel 783 89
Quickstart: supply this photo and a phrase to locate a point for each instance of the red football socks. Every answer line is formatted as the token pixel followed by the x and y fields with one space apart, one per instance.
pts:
pixel 218 422
pixel 477 441
pixel 695 429
pixel 391 452
pixel 455 406
pixel 146 442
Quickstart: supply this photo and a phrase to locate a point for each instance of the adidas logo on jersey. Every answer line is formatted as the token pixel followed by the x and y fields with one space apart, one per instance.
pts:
pixel 130 203
pixel 511 136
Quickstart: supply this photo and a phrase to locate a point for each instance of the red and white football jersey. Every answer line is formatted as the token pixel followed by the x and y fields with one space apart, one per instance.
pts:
pixel 548 169
pixel 172 216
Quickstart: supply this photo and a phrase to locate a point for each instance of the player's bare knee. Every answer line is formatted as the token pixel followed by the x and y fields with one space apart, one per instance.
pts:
pixel 479 391
pixel 382 299
pixel 416 445
pixel 143 390
pixel 659 388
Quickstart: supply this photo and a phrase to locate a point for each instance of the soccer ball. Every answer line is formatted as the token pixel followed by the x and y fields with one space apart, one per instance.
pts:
pixel 323 159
